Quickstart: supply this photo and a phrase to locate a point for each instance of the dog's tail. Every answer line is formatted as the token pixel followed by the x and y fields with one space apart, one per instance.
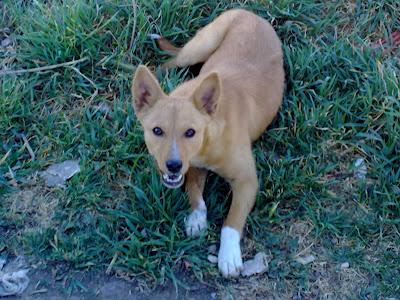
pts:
pixel 164 44
pixel 202 45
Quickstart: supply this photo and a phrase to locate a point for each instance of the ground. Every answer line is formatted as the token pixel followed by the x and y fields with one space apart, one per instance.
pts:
pixel 328 166
pixel 75 285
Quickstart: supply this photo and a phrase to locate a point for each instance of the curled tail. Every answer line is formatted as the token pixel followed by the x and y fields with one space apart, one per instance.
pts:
pixel 202 45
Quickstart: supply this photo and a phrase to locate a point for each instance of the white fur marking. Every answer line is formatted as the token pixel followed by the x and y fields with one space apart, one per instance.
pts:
pixel 229 256
pixel 196 222
pixel 174 154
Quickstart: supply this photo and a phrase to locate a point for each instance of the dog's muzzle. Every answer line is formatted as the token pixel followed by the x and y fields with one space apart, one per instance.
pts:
pixel 172 181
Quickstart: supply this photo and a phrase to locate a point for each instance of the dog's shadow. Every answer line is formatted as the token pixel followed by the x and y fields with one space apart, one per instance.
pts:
pixel 217 195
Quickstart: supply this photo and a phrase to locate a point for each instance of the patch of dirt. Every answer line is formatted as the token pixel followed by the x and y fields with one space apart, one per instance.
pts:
pixel 45 284
pixel 32 207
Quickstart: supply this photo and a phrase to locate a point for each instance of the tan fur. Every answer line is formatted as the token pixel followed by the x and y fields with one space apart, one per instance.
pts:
pixel 235 97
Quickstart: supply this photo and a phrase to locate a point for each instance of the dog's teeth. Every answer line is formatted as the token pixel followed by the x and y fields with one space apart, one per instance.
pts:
pixel 172 179
pixel 177 179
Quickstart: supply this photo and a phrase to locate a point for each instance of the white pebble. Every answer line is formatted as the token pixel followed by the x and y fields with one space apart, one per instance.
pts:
pixel 154 36
pixel 212 259
pixel 257 265
pixel 305 260
pixel 212 249
pixel 344 265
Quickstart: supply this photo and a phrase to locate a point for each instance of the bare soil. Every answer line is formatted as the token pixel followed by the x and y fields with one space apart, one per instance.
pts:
pixel 44 285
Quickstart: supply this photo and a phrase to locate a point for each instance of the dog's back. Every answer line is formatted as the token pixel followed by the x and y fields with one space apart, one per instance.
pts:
pixel 246 53
pixel 249 60
pixel 249 43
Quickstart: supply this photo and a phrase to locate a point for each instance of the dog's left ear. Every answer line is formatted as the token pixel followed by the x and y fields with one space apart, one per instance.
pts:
pixel 145 90
pixel 207 94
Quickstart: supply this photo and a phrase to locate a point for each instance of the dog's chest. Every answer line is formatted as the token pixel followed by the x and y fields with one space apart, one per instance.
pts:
pixel 200 162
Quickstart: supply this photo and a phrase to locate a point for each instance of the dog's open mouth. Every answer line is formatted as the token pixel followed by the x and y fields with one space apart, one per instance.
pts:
pixel 172 181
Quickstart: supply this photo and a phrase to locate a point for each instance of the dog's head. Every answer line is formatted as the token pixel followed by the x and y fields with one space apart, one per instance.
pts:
pixel 174 127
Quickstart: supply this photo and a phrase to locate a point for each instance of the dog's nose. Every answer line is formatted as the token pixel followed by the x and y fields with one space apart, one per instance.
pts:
pixel 174 166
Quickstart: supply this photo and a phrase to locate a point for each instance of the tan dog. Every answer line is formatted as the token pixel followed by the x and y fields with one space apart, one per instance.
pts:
pixel 210 122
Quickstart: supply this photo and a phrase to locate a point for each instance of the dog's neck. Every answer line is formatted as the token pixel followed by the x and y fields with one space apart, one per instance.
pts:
pixel 212 148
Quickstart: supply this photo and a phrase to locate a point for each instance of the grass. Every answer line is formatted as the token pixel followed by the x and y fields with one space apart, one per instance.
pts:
pixel 342 103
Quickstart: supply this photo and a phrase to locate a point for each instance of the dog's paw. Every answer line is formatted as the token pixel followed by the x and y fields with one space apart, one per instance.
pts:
pixel 229 257
pixel 196 222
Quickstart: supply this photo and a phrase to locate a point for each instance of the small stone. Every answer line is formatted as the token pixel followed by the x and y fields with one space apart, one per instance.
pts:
pixel 5 30
pixel 212 249
pixel 187 264
pixel 154 36
pixel 6 42
pixel 257 265
pixel 212 259
pixel 360 168
pixel 344 265
pixel 305 260
pixel 103 107
pixel 144 232
pixel 2 263
pixel 13 277
pixel 57 174
pixel 213 295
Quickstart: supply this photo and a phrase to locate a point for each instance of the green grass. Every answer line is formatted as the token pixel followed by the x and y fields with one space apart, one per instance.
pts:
pixel 342 103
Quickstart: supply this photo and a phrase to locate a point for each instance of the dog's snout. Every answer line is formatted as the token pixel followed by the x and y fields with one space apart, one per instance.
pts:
pixel 174 165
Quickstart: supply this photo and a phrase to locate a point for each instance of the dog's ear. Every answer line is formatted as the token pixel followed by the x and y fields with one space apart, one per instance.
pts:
pixel 145 90
pixel 207 94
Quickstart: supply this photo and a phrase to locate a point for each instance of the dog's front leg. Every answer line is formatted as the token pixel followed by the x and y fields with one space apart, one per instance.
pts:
pixel 196 222
pixel 244 190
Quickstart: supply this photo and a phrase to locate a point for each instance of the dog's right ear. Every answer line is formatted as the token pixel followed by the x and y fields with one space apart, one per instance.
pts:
pixel 145 90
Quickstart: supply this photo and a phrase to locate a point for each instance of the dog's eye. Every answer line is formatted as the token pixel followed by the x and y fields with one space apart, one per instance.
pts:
pixel 190 133
pixel 158 131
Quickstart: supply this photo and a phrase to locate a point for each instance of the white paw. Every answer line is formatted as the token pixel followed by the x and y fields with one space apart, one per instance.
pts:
pixel 196 222
pixel 229 257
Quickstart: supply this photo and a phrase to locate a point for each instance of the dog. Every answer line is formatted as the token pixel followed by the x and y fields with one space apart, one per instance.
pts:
pixel 210 122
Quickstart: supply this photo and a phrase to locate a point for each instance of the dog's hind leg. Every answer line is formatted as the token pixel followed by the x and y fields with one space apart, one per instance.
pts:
pixel 196 222
pixel 202 45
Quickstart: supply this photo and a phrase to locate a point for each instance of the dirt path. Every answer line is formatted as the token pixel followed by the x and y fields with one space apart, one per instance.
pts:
pixel 45 285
